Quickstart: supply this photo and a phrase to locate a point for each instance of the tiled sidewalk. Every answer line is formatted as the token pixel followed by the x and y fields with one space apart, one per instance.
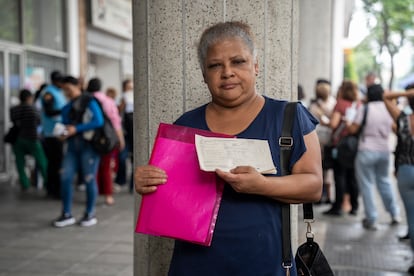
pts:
pixel 31 246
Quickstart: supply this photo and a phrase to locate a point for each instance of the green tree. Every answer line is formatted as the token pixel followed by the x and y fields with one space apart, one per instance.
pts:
pixel 391 26
pixel 350 72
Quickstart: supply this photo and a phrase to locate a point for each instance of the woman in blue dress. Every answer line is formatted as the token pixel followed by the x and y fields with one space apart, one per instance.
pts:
pixel 247 238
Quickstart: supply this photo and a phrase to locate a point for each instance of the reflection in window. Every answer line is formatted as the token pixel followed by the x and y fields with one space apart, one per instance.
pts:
pixel 9 20
pixel 14 79
pixel 39 67
pixel 43 23
pixel 2 116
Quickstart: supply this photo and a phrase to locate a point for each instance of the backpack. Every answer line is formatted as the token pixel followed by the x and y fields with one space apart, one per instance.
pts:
pixel 103 139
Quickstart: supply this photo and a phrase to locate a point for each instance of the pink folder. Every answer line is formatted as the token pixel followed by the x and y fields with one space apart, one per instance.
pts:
pixel 186 206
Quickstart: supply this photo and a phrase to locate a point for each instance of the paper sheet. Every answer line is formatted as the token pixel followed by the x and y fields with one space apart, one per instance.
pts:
pixel 228 153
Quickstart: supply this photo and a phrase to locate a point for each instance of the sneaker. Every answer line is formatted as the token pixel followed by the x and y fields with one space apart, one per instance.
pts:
pixel 369 225
pixel 353 212
pixel 333 212
pixel 404 238
pixel 64 220
pixel 88 220
pixel 395 221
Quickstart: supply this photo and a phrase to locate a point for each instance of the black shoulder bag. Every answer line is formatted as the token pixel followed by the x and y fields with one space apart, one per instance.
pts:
pixel 310 261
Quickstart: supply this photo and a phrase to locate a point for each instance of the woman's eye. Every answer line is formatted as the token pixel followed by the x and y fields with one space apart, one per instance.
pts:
pixel 239 61
pixel 213 65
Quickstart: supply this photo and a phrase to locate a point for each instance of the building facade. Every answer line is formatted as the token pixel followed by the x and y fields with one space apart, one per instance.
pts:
pixel 82 38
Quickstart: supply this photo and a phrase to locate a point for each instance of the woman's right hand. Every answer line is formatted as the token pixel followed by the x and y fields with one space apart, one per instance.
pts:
pixel 147 178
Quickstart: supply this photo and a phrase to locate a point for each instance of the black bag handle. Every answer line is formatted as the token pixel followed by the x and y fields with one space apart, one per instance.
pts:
pixel 286 144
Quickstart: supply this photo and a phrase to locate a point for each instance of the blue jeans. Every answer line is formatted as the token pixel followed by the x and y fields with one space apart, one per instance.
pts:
pixel 79 155
pixel 405 179
pixel 121 173
pixel 372 168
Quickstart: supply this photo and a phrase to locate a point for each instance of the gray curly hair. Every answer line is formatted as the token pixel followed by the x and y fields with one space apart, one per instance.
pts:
pixel 225 30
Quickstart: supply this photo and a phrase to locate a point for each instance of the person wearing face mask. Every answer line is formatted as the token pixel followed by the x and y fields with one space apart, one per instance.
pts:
pixel 126 109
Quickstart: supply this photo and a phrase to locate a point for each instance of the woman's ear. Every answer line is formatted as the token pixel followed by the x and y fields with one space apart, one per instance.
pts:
pixel 256 68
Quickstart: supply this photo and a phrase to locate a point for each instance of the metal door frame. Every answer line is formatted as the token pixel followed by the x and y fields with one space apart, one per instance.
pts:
pixel 5 50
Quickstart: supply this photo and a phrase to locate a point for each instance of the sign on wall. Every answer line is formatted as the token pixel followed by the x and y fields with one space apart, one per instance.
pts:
pixel 114 16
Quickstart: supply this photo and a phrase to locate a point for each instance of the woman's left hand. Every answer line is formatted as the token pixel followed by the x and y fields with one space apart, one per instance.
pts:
pixel 244 179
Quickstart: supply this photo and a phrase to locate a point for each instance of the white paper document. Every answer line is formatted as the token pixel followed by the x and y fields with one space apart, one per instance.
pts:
pixel 227 153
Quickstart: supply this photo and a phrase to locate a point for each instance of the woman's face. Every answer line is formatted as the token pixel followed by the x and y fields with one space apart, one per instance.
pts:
pixel 230 72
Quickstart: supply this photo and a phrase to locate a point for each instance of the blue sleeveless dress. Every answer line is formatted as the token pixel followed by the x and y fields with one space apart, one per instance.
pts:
pixel 247 238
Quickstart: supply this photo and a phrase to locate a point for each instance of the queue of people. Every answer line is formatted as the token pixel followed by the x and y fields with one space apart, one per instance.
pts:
pixel 54 125
pixel 373 115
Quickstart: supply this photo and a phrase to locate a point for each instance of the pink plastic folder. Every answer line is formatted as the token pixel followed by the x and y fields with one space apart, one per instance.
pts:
pixel 186 206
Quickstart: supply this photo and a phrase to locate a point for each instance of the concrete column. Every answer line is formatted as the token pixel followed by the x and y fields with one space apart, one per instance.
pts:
pixel 73 38
pixel 168 80
pixel 315 43
pixel 83 53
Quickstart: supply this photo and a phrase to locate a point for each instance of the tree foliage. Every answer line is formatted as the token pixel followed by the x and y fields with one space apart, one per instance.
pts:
pixel 391 25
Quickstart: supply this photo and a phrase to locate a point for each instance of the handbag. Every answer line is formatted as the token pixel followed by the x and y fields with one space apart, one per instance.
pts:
pixel 348 145
pixel 11 135
pixel 310 261
pixel 104 139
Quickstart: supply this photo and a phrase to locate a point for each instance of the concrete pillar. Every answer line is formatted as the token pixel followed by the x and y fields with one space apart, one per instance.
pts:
pixel 315 43
pixel 83 53
pixel 168 80
pixel 323 24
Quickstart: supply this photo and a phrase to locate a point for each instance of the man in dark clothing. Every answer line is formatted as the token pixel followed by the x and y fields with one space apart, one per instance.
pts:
pixel 52 101
pixel 27 118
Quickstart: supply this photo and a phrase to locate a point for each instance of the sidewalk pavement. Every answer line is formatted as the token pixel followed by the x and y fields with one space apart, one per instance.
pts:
pixel 31 246
pixel 354 251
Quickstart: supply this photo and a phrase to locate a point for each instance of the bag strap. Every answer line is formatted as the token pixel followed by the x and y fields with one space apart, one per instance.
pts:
pixel 286 144
pixel 364 120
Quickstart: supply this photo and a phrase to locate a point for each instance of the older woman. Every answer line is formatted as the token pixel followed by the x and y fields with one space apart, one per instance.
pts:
pixel 247 237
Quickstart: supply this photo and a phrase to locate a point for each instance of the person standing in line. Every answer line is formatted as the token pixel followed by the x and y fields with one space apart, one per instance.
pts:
pixel 373 157
pixel 345 181
pixel 404 155
pixel 126 108
pixel 104 177
pixel 322 107
pixel 52 101
pixel 247 238
pixel 27 118
pixel 80 116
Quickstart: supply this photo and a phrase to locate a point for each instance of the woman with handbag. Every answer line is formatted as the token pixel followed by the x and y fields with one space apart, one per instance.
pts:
pixel 104 177
pixel 404 154
pixel 344 176
pixel 247 239
pixel 373 157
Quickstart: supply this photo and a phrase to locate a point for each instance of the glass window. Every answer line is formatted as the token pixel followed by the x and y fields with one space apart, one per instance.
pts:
pixel 39 67
pixel 43 23
pixel 3 125
pixel 9 20
pixel 14 78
